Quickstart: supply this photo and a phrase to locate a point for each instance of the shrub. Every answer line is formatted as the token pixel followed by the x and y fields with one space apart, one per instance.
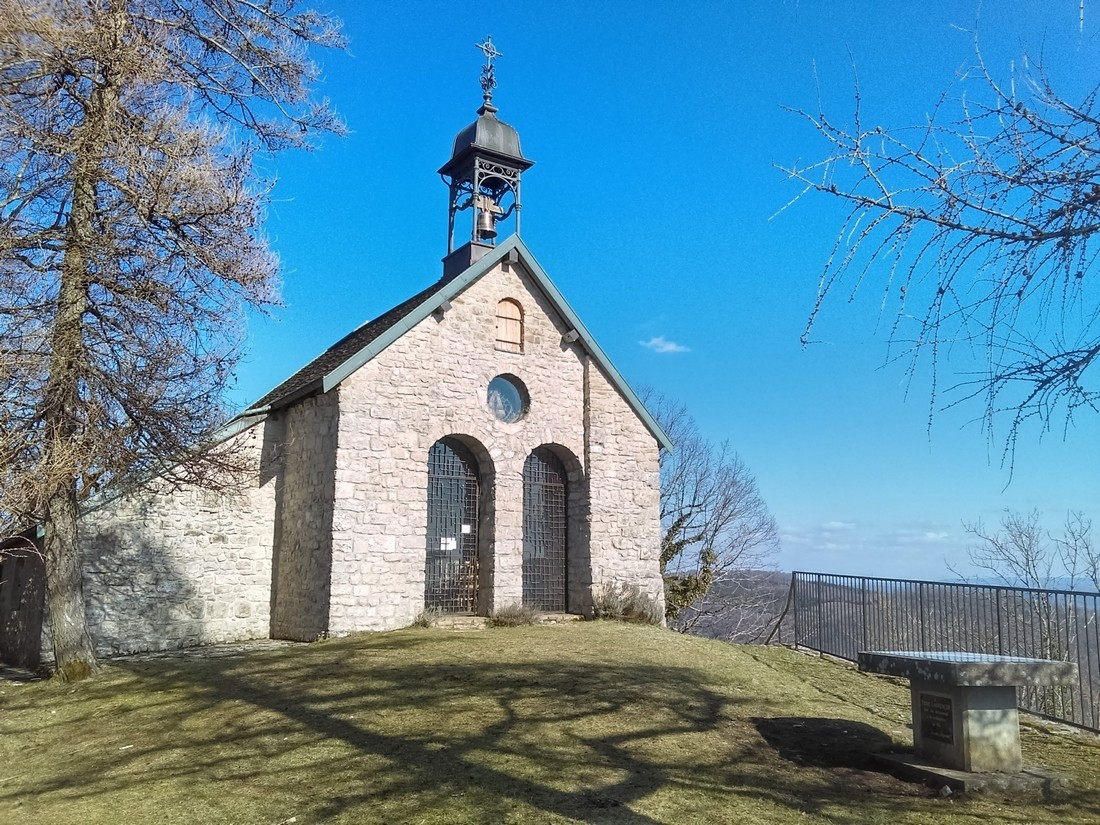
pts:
pixel 427 617
pixel 513 615
pixel 627 603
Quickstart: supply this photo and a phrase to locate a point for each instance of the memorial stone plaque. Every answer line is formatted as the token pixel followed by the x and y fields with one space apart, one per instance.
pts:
pixel 935 718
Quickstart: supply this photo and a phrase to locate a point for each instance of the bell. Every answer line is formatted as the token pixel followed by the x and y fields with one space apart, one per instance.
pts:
pixel 486 225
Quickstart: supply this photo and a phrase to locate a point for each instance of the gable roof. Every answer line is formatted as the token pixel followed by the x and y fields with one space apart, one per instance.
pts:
pixel 311 378
pixel 354 350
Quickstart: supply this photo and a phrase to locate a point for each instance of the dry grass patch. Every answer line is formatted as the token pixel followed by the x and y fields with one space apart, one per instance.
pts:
pixel 596 722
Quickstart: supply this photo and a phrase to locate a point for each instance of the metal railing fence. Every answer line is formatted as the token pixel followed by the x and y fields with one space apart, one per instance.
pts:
pixel 842 615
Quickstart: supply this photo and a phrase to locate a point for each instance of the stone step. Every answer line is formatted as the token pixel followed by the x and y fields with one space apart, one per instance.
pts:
pixel 450 622
pixel 559 618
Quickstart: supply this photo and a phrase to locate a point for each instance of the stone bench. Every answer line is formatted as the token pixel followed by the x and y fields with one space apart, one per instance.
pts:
pixel 964 704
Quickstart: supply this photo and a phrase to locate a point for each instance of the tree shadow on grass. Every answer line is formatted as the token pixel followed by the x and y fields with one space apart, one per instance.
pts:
pixel 418 727
pixel 823 743
pixel 567 739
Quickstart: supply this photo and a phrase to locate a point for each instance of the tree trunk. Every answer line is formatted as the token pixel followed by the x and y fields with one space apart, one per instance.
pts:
pixel 63 415
pixel 73 653
pixel 72 646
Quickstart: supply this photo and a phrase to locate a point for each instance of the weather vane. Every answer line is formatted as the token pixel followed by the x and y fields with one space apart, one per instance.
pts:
pixel 488 73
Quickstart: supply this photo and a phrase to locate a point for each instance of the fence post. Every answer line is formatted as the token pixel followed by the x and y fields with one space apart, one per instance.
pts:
pixel 863 609
pixel 794 600
pixel 920 615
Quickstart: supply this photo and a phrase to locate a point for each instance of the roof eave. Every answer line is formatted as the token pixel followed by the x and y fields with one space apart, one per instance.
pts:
pixel 464 158
pixel 453 287
pixel 589 342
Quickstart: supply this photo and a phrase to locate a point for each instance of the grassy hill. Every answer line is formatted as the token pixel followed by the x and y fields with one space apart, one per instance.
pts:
pixel 596 722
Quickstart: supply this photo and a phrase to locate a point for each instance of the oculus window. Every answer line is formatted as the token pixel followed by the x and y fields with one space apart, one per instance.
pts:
pixel 507 398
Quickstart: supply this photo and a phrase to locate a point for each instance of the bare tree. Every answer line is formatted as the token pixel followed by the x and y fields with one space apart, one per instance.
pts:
pixel 1022 553
pixel 130 242
pixel 1080 555
pixel 717 530
pixel 980 228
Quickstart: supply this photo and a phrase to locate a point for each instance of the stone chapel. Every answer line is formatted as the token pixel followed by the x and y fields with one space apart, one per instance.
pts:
pixel 470 449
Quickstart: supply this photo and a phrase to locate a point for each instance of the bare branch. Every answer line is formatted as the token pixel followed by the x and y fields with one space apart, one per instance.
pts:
pixel 989 221
pixel 716 525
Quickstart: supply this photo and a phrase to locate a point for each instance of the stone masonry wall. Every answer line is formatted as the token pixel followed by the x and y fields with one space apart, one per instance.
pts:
pixel 622 459
pixel 432 383
pixel 303 536
pixel 173 566
pixel 329 535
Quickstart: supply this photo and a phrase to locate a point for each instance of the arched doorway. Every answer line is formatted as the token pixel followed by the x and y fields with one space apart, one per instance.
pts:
pixel 454 493
pixel 544 531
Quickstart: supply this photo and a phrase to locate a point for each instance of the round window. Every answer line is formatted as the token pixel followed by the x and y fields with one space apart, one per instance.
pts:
pixel 508 399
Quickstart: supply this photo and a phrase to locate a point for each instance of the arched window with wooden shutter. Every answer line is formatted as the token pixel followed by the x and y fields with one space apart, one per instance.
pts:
pixel 509 326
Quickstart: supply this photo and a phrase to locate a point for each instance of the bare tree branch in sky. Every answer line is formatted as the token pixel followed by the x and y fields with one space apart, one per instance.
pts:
pixel 1022 553
pixel 980 228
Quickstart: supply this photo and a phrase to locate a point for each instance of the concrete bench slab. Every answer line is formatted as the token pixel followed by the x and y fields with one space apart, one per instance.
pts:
pixel 964 704
pixel 958 668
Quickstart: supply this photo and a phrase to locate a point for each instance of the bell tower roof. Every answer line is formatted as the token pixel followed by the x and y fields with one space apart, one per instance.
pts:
pixel 483 175
pixel 490 135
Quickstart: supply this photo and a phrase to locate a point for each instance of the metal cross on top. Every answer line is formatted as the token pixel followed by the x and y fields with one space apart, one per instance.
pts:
pixel 488 73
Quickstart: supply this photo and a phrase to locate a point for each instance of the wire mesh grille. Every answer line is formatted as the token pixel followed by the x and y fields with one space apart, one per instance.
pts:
pixel 544 526
pixel 450 582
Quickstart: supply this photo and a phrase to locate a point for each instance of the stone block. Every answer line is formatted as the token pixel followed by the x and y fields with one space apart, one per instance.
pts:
pixel 964 704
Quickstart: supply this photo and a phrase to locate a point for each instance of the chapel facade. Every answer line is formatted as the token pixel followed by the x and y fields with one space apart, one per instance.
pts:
pixel 471 449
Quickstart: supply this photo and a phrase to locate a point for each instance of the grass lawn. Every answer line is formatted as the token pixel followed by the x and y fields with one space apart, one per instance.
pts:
pixel 595 722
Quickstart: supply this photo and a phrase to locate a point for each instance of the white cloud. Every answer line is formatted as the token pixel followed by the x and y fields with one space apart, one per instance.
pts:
pixel 915 550
pixel 658 343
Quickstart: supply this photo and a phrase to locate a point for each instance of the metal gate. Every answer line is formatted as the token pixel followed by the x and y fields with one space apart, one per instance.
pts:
pixel 450 582
pixel 544 527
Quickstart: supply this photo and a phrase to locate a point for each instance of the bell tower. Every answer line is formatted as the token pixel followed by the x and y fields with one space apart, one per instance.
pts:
pixel 483 176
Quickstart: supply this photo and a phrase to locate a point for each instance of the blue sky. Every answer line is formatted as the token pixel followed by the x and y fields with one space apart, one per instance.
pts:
pixel 656 206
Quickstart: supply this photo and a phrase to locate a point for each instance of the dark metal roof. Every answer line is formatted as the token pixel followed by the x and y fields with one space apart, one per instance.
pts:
pixel 487 134
pixel 309 379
